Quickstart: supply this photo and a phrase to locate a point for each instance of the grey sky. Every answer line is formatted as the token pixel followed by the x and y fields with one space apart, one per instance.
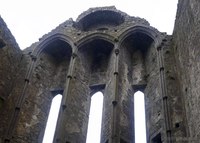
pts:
pixel 28 20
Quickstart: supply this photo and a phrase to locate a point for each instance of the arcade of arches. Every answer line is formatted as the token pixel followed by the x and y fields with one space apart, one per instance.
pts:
pixel 109 51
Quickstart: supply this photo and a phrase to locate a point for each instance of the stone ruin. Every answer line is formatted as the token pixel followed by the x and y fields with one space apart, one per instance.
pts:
pixel 109 51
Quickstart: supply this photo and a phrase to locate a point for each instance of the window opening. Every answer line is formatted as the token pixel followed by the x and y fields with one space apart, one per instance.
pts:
pixel 2 44
pixel 52 119
pixel 139 116
pixel 122 141
pixel 157 139
pixel 1 102
pixel 95 118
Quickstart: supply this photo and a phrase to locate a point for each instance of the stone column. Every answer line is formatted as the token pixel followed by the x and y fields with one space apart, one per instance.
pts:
pixel 15 114
pixel 115 136
pixel 60 133
pixel 167 122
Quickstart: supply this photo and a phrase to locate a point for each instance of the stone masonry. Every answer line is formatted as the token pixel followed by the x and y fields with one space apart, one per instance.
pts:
pixel 109 51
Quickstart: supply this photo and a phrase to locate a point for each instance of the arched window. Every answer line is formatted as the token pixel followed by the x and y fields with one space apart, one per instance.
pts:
pixel 139 113
pixel 95 118
pixel 52 119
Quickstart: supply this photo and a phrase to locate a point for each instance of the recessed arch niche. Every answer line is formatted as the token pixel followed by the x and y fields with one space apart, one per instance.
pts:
pixel 48 76
pixel 102 19
pixel 54 60
pixel 140 66
pixel 137 47
pixel 96 56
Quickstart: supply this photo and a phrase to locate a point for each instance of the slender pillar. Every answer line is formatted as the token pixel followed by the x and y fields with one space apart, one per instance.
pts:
pixel 59 134
pixel 115 136
pixel 15 115
pixel 167 122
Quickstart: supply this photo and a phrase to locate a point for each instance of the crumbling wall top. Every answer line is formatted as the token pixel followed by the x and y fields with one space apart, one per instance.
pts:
pixel 103 17
pixel 6 36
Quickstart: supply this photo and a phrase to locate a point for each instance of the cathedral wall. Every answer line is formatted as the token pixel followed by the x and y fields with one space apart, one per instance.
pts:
pixel 10 63
pixel 26 110
pixel 186 48
pixel 46 82
pixel 153 95
pixel 175 101
pixel 118 57
pixel 139 71
pixel 10 56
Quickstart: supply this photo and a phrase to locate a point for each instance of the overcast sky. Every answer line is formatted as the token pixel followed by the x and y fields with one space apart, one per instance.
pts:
pixel 28 20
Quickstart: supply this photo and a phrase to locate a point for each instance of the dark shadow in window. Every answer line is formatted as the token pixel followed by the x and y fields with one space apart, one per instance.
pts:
pixel 157 139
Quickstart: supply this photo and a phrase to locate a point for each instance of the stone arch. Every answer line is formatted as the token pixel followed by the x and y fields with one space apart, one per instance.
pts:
pixel 58 49
pixel 135 42
pixel 42 45
pixel 53 58
pixel 96 35
pixel 58 36
pixel 97 88
pixel 50 63
pixel 96 48
pixel 100 18
pixel 147 30
pixel 138 49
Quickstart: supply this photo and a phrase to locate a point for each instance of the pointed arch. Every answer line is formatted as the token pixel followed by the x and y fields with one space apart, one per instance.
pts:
pixel 51 39
pixel 97 35
pixel 96 54
pixel 52 119
pixel 105 16
pixel 95 118
pixel 151 32
pixel 139 117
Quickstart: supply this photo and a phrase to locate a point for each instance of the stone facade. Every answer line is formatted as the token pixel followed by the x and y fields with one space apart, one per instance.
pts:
pixel 109 51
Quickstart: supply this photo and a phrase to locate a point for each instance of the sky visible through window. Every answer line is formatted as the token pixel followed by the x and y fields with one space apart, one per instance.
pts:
pixel 95 117
pixel 52 119
pixel 140 122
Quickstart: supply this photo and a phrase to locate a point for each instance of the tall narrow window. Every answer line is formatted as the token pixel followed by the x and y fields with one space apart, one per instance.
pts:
pixel 1 102
pixel 52 119
pixel 139 113
pixel 95 117
pixel 157 139
pixel 2 44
